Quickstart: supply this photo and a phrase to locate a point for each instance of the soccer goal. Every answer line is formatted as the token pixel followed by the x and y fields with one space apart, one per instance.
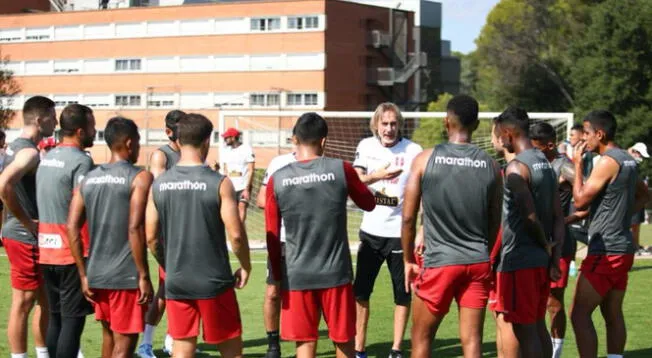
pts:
pixel 270 132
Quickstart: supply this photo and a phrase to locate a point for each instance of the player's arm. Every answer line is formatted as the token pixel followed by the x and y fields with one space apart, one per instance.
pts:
pixel 262 195
pixel 235 230
pixel 641 196
pixel 602 174
pixel 76 218
pixel 411 204
pixel 273 230
pixel 250 175
pixel 359 193
pixel 152 230
pixel 361 165
pixel 568 172
pixel 26 160
pixel 495 207
pixel 578 215
pixel 517 179
pixel 157 163
pixel 136 232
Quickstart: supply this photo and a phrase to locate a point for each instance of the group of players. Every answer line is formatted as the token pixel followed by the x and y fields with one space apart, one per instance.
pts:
pixel 487 236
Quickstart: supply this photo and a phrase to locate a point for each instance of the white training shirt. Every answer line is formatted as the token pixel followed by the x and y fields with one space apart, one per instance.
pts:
pixel 276 164
pixel 236 160
pixel 371 155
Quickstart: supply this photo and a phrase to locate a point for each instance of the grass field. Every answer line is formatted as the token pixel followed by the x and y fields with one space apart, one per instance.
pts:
pixel 638 305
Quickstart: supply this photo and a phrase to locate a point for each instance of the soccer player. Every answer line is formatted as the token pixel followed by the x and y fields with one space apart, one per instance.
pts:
pixel 383 162
pixel 613 192
pixel 113 197
pixel 319 269
pixel 162 159
pixel 20 228
pixel 272 301
pixel 461 218
pixel 192 206
pixel 239 165
pixel 543 137
pixel 60 172
pixel 531 218
pixel 575 137
pixel 639 152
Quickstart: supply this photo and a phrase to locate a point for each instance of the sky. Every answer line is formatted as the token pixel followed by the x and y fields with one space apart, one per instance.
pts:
pixel 463 20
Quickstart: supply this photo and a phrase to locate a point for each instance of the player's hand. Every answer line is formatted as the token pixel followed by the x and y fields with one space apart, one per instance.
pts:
pixel 146 291
pixel 88 294
pixel 241 278
pixel 580 149
pixel 554 272
pixel 245 195
pixel 385 173
pixel 411 273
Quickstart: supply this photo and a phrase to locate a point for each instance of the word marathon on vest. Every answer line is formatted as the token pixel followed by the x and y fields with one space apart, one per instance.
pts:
pixel 54 163
pixel 106 179
pixel 310 178
pixel 541 166
pixel 183 185
pixel 461 162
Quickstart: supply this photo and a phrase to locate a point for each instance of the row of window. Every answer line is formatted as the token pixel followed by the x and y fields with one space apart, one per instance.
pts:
pixel 195 27
pixel 184 100
pixel 172 64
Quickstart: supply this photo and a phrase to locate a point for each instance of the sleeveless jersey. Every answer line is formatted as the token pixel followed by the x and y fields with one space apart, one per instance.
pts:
pixel 196 256
pixel 612 210
pixel 565 190
pixel 519 249
pixel 106 191
pixel 171 156
pixel 25 190
pixel 59 173
pixel 456 186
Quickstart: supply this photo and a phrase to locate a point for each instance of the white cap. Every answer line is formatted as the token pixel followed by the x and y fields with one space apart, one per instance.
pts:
pixel 641 148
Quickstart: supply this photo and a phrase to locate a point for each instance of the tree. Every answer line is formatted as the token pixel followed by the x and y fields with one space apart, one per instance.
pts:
pixel 8 89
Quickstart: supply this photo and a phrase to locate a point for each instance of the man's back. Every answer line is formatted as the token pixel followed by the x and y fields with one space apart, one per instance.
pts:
pixel 106 191
pixel 171 156
pixel 196 256
pixel 457 184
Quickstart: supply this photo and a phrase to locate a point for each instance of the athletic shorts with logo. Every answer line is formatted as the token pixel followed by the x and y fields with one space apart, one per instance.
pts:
pixel 607 272
pixel 23 263
pixel 521 295
pixel 120 309
pixel 218 316
pixel 63 289
pixel 469 285
pixel 301 311
pixel 372 252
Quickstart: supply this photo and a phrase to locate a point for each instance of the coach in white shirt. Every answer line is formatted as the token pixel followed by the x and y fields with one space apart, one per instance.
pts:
pixel 238 164
pixel 383 162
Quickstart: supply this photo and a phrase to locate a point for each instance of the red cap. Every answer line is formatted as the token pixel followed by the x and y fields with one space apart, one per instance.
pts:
pixel 231 132
pixel 46 143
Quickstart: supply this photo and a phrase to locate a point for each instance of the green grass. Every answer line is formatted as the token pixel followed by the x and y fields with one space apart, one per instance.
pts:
pixel 637 313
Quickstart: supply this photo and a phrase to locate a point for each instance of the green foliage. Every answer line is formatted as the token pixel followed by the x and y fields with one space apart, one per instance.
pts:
pixel 8 89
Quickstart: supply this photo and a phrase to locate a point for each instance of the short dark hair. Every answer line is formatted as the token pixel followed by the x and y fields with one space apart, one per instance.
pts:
pixel 118 129
pixel 516 117
pixel 74 117
pixel 465 108
pixel 604 120
pixel 3 135
pixel 173 117
pixel 577 127
pixel 310 128
pixel 35 107
pixel 194 129
pixel 543 131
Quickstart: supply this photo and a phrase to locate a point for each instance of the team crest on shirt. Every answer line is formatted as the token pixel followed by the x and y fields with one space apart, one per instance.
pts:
pixel 385 200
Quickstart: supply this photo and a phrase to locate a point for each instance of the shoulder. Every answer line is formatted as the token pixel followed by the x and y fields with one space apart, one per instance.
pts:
pixel 368 143
pixel 412 147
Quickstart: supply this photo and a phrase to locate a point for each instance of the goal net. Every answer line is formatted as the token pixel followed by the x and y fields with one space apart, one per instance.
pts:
pixel 269 134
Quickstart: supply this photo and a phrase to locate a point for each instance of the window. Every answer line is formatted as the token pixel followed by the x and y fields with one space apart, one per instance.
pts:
pixel 260 99
pixel 99 135
pixel 257 100
pixel 302 99
pixel 162 103
pixel 300 22
pixel 64 103
pixel 64 66
pixel 127 100
pixel 294 99
pixel 8 35
pixel 265 24
pixel 310 99
pixel 127 65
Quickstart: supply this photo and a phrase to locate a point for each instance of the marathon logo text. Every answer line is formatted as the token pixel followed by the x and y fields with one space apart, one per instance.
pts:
pixel 106 179
pixel 182 185
pixel 310 178
pixel 541 166
pixel 54 163
pixel 461 162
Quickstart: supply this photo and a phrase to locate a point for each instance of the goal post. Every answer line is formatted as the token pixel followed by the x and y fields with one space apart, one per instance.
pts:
pixel 269 133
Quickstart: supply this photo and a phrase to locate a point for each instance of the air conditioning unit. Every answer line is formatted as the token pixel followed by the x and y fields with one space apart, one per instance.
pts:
pixel 378 39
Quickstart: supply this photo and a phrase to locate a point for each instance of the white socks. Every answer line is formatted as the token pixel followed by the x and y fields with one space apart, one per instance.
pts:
pixel 18 355
pixel 614 356
pixel 80 354
pixel 557 345
pixel 148 335
pixel 168 342
pixel 41 352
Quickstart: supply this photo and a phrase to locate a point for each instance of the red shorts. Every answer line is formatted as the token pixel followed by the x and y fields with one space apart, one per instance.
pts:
pixel 521 295
pixel 23 260
pixel 301 311
pixel 468 284
pixel 607 272
pixel 564 268
pixel 120 309
pixel 219 316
